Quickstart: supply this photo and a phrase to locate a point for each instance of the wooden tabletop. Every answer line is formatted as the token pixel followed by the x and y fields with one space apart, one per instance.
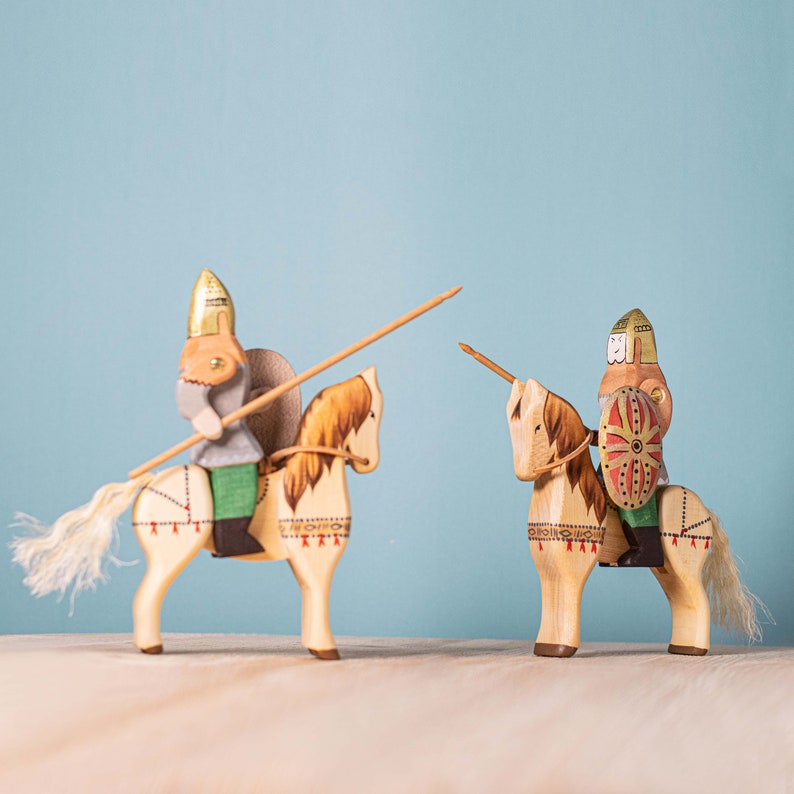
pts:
pixel 243 713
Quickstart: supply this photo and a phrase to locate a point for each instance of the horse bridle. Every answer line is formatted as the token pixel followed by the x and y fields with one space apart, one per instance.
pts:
pixel 271 460
pixel 560 461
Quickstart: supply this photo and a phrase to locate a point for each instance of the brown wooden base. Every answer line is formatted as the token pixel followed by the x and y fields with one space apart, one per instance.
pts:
pixel 154 649
pixel 558 651
pixel 687 650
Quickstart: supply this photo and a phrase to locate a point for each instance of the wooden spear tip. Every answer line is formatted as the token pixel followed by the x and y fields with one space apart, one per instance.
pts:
pixel 466 348
pixel 450 292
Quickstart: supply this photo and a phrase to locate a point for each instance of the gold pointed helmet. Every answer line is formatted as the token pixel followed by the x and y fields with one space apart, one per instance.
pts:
pixel 630 328
pixel 209 299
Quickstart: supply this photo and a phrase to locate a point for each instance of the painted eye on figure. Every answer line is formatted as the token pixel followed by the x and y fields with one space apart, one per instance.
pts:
pixel 372 414
pixel 537 429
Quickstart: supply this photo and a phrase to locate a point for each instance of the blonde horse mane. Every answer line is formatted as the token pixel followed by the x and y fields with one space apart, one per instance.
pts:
pixel 329 419
pixel 564 426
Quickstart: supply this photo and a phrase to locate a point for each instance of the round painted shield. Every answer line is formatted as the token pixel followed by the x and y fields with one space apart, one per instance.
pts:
pixel 630 447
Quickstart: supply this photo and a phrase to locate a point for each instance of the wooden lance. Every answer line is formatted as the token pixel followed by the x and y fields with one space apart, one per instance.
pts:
pixel 283 388
pixel 486 362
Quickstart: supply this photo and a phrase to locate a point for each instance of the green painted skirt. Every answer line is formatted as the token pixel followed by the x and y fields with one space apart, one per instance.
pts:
pixel 645 516
pixel 234 490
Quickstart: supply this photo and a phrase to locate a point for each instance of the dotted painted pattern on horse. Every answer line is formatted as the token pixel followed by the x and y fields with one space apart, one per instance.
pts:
pixel 173 526
pixel 322 531
pixel 705 521
pixel 686 534
pixel 571 534
pixel 265 485
pixel 683 510
pixel 167 497
pixel 686 537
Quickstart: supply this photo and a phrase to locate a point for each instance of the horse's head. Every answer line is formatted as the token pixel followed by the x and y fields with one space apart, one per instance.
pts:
pixel 345 416
pixel 544 429
pixel 548 434
pixel 531 444
pixel 363 441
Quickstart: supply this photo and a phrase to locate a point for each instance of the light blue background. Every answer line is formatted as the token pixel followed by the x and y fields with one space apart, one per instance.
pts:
pixel 339 163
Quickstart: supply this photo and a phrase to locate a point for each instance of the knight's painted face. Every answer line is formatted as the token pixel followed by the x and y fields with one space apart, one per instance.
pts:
pixel 616 349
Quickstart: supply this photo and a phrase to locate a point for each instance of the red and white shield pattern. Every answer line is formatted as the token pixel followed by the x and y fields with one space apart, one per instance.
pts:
pixel 630 447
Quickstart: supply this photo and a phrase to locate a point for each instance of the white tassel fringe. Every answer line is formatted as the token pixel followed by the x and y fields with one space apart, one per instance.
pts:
pixel 72 550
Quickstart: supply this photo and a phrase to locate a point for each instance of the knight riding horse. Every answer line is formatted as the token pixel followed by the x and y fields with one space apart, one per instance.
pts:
pixel 636 409
pixel 215 378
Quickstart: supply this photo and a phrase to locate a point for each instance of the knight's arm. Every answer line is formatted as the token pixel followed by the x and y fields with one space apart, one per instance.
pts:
pixel 193 403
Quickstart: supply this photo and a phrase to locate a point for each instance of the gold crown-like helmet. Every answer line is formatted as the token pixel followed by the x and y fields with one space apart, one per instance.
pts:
pixel 209 299
pixel 631 327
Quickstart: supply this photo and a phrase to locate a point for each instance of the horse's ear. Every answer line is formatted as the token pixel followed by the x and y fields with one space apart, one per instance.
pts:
pixel 516 393
pixel 534 392
pixel 370 375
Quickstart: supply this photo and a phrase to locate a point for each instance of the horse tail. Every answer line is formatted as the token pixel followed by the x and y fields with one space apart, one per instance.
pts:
pixel 733 606
pixel 71 551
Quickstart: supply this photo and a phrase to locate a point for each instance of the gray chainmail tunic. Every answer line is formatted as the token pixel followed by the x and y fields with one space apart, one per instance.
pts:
pixel 237 444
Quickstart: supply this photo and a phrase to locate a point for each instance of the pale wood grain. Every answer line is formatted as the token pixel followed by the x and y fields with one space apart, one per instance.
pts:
pixel 245 713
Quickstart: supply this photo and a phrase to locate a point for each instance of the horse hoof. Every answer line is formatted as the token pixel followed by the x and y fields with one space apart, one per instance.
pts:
pixel 550 649
pixel 330 655
pixel 687 650
pixel 152 649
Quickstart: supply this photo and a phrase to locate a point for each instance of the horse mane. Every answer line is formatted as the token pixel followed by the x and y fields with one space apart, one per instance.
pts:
pixel 327 422
pixel 564 426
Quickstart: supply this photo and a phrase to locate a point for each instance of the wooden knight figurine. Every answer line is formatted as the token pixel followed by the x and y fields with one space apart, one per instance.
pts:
pixel 636 409
pixel 214 380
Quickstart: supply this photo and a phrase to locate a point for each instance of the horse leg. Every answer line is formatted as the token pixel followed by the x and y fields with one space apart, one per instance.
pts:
pixel 146 609
pixel 563 574
pixel 306 597
pixel 316 634
pixel 689 607
pixel 165 560
pixel 148 602
pixel 313 566
pixel 560 619
pixel 686 530
pixel 172 521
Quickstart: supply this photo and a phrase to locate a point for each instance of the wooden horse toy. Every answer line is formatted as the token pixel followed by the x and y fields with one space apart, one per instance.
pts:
pixel 243 495
pixel 573 525
pixel 302 512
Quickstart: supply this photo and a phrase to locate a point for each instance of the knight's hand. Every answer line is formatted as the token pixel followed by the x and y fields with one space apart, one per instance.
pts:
pixel 208 423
